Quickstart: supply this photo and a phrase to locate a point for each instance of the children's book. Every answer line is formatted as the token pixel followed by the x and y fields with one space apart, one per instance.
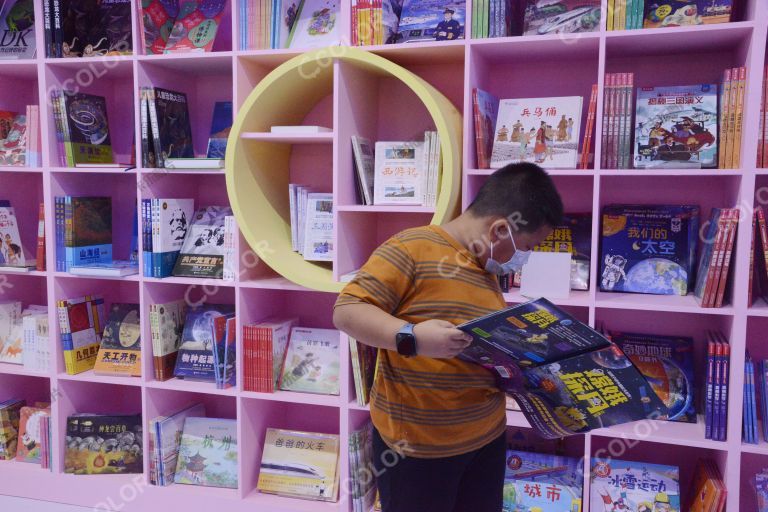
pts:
pixel 625 485
pixel 202 253
pixel 208 453
pixel 312 362
pixel 171 129
pixel 9 427
pixel 676 127
pixel 195 26
pixel 486 109
pixel 678 13
pixel 300 465
pixel 195 359
pixel 30 435
pixel 364 167
pixel 11 248
pixel 561 17
pixel 318 231
pixel 170 224
pixel 103 444
pixel 120 350
pixel 566 377
pixel 399 169
pixel 87 231
pixel 168 431
pixel 11 332
pixel 316 25
pixel 432 20
pixel 649 249
pixel 81 323
pixel 707 491
pixel 667 364
pixel 14 146
pixel 157 19
pixel 544 131
pixel 166 326
pixel 220 126
pixel 17 26
pixel 88 128
pixel 542 482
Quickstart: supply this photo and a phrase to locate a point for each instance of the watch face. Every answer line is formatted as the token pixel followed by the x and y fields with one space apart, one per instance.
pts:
pixel 406 344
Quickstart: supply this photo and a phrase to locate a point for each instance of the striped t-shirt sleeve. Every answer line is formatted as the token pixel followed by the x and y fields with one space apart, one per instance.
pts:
pixel 384 280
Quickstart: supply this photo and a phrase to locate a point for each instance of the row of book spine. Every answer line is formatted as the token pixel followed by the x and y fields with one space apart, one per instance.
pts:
pixel 731 117
pixel 586 145
pixel 264 347
pixel 617 121
pixel 717 385
pixel 492 18
pixel 166 322
pixel 762 142
pixel 754 416
pixel 625 14
pixel 368 22
pixel 715 259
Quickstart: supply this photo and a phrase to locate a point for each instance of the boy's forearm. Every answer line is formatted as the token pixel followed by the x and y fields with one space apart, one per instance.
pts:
pixel 368 324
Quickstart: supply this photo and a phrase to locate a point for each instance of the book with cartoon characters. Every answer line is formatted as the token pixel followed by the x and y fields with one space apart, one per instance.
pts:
pixel 103 444
pixel 316 25
pixel 312 362
pixel 542 482
pixel 566 377
pixel 679 13
pixel 30 434
pixel 626 485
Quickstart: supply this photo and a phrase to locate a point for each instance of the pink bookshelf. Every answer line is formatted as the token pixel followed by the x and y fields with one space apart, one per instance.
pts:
pixel 356 101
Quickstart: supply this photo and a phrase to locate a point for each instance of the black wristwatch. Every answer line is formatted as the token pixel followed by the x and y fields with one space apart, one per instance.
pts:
pixel 405 341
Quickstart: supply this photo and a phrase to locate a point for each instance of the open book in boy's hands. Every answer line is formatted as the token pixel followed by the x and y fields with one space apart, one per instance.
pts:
pixel 567 378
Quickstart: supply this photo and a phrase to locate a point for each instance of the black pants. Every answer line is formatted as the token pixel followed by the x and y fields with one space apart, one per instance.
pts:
pixel 472 482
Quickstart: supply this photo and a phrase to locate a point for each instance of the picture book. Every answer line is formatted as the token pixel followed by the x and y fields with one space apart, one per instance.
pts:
pixel 624 485
pixel 30 438
pixel 676 127
pixel 195 359
pixel 202 252
pixel 312 362
pixel 666 362
pixel 318 232
pixel 544 131
pixel 399 169
pixel 9 427
pixel 486 110
pixel 195 26
pixel 169 120
pixel 363 488
pixel 157 19
pixel 11 248
pixel 561 16
pixel 566 377
pixel 649 249
pixel 112 34
pixel 120 350
pixel 574 235
pixel 88 230
pixel 81 323
pixel 224 360
pixel 11 333
pixel 300 465
pixel 208 453
pixel 166 327
pixel 316 25
pixel 707 491
pixel 103 444
pixel 88 128
pixel 678 13
pixel 170 225
pixel 220 126
pixel 431 20
pixel 168 431
pixel 14 147
pixel 542 482
pixel 17 26
pixel 365 168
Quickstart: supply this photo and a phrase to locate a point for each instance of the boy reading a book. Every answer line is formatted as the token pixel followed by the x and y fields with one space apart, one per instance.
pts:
pixel 440 422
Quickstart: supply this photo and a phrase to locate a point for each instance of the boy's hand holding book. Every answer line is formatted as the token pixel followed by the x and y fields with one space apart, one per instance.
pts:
pixel 440 339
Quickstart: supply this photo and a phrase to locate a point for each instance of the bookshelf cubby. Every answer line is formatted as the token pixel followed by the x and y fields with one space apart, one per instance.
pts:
pixel 383 93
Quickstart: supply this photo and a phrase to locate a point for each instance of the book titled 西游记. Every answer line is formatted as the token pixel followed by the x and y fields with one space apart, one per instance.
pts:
pixel 399 173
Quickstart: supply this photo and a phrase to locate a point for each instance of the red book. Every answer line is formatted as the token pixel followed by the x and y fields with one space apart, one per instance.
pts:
pixel 587 144
pixel 729 243
pixel 762 251
pixel 41 238
pixel 750 291
pixel 712 273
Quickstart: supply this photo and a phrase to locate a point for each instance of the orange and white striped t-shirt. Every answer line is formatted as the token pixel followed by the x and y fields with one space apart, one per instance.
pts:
pixel 425 407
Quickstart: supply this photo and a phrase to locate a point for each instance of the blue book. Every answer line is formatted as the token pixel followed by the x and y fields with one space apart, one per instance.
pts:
pixel 746 423
pixel 88 231
pixel 710 389
pixel 559 480
pixel 707 253
pixel 195 359
pixel 627 485
pixel 649 249
pixel 761 366
pixel 431 20
pixel 726 363
pixel 220 126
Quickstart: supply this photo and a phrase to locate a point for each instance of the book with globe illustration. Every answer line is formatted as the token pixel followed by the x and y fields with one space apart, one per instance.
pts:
pixel 566 377
pixel 667 364
pixel 195 359
pixel 120 349
pixel 649 249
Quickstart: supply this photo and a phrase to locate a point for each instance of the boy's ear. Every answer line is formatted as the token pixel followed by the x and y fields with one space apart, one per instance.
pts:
pixel 499 230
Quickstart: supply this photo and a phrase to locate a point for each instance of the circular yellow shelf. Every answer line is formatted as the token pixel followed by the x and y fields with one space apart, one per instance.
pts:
pixel 257 171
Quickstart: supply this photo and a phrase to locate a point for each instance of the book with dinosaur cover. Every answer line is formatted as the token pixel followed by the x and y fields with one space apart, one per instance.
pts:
pixel 567 378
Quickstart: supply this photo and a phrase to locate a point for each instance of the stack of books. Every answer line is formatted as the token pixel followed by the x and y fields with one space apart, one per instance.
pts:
pixel 20 342
pixel 107 30
pixel 625 14
pixel 311 215
pixel 165 225
pixel 625 483
pixel 20 137
pixel 411 21
pixel 166 323
pixel 82 128
pixel 264 345
pixel 717 386
pixel 707 490
pixel 174 26
pixel 266 24
pixel 715 261
pixel 300 465
pixel 364 359
pixel 363 489
pixel 34 435
pixel 165 433
pixel 81 323
pixel 617 121
pixel 731 115
pixel 101 444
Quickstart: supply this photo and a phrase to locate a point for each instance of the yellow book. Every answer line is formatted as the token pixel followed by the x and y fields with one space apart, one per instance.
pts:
pixel 621 15
pixel 379 28
pixel 120 349
pixel 609 17
pixel 300 465
pixel 725 102
pixel 80 326
pixel 734 97
pixel 364 23
pixel 739 117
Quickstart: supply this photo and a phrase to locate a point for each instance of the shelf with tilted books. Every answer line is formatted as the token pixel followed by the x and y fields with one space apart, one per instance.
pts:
pixel 109 79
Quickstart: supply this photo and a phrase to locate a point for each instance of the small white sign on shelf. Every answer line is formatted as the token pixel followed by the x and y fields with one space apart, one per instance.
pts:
pixel 547 274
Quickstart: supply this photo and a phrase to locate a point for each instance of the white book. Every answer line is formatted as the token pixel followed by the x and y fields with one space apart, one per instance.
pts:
pixel 11 250
pixel 398 176
pixel 18 270
pixel 544 131
pixel 316 25
pixel 34 344
pixel 362 151
pixel 116 268
pixel 318 231
pixel 170 223
pixel 11 332
pixel 302 215
pixel 300 129
pixel 292 211
pixel 427 175
pixel 194 163
pixel 104 165
pixel 230 230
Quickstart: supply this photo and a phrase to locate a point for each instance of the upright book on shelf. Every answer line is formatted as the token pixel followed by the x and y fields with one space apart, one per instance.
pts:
pixel 542 482
pixel 17 26
pixel 634 485
pixel 166 324
pixel 195 27
pixel 195 359
pixel 202 252
pixel 486 109
pixel 317 24
pixel 120 349
pixel 81 323
pixel 208 453
pixel 431 20
pixel 398 179
pixel 311 363
pixel 103 444
pixel 563 17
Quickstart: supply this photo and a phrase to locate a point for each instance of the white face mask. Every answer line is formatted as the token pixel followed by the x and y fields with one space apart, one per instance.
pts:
pixel 515 263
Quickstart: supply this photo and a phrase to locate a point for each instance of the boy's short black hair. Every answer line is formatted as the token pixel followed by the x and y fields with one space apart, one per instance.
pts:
pixel 522 191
